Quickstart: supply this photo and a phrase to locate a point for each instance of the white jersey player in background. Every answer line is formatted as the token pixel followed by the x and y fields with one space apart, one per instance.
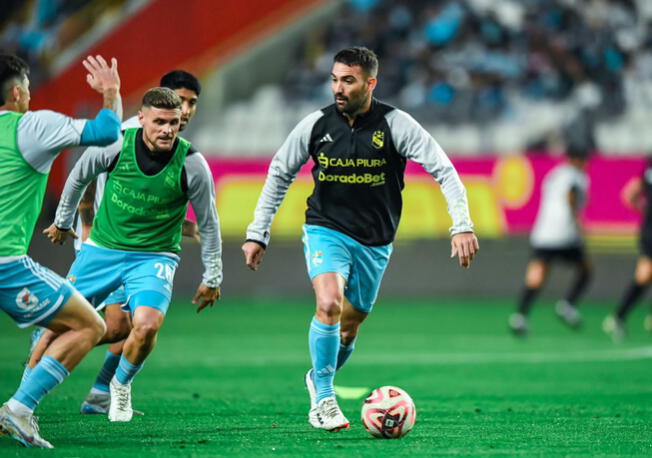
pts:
pixel 557 235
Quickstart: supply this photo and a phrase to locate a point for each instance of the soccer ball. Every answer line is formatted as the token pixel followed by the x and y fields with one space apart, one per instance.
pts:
pixel 388 413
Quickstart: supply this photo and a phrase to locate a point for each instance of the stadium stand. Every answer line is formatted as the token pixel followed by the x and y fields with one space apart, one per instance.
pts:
pixel 485 76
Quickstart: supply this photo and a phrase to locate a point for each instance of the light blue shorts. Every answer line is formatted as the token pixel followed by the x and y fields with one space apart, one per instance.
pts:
pixel 119 296
pixel 361 266
pixel 116 297
pixel 30 293
pixel 147 277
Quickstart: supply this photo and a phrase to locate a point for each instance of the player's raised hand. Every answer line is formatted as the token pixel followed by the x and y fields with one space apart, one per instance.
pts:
pixel 205 296
pixel 101 77
pixel 57 235
pixel 464 245
pixel 254 253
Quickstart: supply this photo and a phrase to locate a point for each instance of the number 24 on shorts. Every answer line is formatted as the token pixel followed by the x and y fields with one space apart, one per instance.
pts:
pixel 164 271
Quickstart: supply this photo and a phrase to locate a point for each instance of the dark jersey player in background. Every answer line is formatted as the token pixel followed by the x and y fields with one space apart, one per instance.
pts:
pixel 637 194
pixel 359 147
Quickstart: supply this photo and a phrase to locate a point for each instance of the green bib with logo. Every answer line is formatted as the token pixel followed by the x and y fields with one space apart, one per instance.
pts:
pixel 21 191
pixel 139 212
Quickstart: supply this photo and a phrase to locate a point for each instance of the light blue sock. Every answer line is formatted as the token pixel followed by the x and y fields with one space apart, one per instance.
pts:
pixel 324 341
pixel 33 340
pixel 26 372
pixel 344 353
pixel 47 374
pixel 107 372
pixel 126 371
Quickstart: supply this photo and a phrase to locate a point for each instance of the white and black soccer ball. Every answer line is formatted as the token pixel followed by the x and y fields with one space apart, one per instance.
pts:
pixel 388 413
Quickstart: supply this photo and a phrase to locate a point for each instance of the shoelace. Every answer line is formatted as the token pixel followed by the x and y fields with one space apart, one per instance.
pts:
pixel 34 422
pixel 330 408
pixel 123 399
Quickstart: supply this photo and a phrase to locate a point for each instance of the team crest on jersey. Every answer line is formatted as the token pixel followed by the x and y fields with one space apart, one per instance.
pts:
pixel 26 300
pixel 72 278
pixel 378 139
pixel 323 160
pixel 318 257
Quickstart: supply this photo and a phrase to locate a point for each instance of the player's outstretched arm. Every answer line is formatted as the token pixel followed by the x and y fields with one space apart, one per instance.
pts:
pixel 283 169
pixel 464 245
pixel 93 162
pixel 205 296
pixel 59 236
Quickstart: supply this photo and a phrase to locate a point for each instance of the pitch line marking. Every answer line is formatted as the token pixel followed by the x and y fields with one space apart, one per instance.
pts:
pixel 606 355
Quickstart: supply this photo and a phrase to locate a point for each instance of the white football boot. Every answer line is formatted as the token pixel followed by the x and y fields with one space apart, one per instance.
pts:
pixel 328 416
pixel 312 392
pixel 568 314
pixel 518 324
pixel 22 428
pixel 615 328
pixel 647 323
pixel 120 405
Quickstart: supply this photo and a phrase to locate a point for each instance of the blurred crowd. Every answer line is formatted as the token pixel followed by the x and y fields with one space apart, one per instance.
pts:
pixel 481 75
pixel 40 30
pixel 475 61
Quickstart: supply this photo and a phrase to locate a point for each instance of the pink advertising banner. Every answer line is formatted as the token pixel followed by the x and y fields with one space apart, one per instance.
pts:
pixel 504 195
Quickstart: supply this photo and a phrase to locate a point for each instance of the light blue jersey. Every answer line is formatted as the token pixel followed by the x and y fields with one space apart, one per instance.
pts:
pixel 361 266
pixel 147 277
pixel 30 293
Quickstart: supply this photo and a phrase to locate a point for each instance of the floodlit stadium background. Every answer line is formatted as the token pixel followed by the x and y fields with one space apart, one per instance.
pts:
pixel 503 85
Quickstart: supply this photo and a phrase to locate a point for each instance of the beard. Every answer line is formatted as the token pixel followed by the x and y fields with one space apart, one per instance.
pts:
pixel 350 106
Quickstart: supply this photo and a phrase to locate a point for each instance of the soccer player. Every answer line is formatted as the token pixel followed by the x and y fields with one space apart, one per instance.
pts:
pixel 188 88
pixel 135 238
pixel 359 146
pixel 637 194
pixel 31 294
pixel 118 322
pixel 557 236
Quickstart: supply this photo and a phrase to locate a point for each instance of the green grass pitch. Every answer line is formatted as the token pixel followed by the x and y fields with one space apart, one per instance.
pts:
pixel 229 382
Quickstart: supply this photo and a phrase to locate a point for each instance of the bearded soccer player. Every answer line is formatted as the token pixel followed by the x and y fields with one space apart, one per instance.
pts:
pixel 359 146
pixel 135 238
pixel 31 294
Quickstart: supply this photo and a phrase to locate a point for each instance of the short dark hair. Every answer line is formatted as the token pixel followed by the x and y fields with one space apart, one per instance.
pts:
pixel 13 70
pixel 162 97
pixel 361 56
pixel 180 79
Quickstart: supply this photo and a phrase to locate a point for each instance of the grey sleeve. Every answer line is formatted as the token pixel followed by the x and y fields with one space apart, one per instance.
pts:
pixel 201 193
pixel 93 162
pixel 43 134
pixel 283 169
pixel 413 142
